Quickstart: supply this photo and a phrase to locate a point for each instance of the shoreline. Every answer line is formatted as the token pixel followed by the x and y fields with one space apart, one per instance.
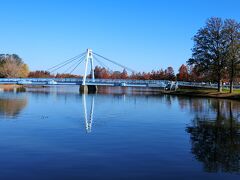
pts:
pixel 11 87
pixel 204 94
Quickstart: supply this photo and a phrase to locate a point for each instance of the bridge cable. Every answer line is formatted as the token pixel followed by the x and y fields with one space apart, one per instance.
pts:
pixel 114 62
pixel 81 59
pixel 73 58
pixel 64 64
pixel 77 65
pixel 101 63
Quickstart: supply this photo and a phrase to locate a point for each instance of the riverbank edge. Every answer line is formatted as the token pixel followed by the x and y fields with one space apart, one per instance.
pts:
pixel 203 94
pixel 10 87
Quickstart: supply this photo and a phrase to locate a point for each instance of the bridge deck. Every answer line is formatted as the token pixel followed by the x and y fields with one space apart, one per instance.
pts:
pixel 103 82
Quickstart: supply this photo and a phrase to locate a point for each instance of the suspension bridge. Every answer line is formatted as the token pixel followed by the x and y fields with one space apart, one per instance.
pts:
pixel 87 58
pixel 90 58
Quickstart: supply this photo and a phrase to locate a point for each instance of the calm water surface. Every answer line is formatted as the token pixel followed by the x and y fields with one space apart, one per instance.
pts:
pixel 65 135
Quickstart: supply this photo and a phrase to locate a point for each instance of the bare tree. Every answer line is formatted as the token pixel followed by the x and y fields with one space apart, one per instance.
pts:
pixel 209 51
pixel 232 29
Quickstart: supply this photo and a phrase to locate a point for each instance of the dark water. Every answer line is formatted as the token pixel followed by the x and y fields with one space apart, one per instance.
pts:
pixel 58 135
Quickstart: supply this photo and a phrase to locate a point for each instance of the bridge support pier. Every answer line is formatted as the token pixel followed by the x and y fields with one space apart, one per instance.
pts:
pixel 88 89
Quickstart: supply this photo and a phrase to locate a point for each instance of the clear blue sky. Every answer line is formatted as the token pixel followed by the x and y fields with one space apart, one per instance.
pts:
pixel 141 34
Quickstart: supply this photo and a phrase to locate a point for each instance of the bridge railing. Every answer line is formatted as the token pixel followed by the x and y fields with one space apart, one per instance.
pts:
pixel 129 81
pixel 112 81
pixel 41 79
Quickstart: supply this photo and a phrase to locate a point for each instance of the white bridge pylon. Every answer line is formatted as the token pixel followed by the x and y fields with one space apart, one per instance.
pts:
pixel 89 57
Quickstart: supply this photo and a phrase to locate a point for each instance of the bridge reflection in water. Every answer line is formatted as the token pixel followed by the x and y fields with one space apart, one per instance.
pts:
pixel 214 129
pixel 88 118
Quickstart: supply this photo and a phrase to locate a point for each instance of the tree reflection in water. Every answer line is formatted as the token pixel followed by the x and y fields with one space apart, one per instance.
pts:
pixel 215 134
pixel 11 107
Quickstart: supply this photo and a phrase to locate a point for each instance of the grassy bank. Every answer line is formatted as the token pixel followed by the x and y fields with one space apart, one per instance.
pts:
pixel 207 93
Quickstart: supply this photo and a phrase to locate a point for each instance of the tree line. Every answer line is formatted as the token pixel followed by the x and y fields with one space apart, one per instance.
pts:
pixel 15 68
pixel 185 73
pixel 12 66
pixel 47 74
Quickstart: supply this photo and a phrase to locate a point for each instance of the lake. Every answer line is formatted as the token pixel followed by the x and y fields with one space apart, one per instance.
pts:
pixel 54 133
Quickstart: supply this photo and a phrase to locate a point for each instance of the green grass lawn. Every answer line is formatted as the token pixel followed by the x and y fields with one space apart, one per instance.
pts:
pixel 234 91
pixel 207 91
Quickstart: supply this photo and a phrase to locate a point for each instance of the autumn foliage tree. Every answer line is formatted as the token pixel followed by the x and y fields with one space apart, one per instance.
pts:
pixel 47 74
pixel 66 75
pixel 103 73
pixel 169 73
pixel 40 74
pixel 183 74
pixel 12 66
